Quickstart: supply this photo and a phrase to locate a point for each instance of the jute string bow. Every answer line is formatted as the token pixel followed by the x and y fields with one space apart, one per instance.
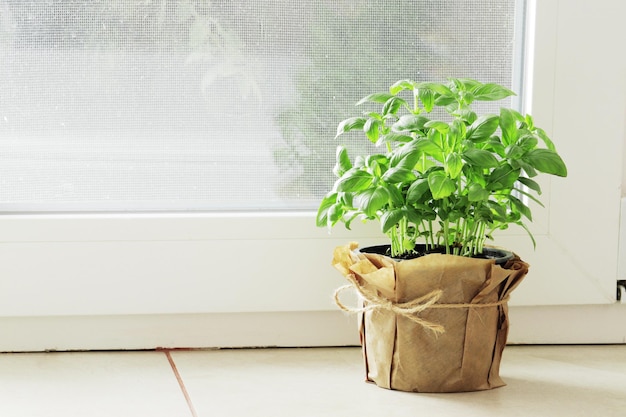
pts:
pixel 409 309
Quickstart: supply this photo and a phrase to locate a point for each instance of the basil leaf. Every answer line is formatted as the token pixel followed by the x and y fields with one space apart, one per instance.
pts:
pixel 440 185
pixel 547 161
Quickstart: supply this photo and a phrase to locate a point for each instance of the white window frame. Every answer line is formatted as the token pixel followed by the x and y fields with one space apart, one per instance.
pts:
pixel 105 281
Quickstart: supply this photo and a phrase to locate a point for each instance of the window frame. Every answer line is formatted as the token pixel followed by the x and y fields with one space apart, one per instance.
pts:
pixel 301 279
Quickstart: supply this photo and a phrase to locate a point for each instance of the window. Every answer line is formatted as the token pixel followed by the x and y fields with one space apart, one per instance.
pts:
pixel 173 105
pixel 64 273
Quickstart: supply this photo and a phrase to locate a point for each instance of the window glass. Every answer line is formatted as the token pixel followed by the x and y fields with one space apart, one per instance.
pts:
pixel 139 105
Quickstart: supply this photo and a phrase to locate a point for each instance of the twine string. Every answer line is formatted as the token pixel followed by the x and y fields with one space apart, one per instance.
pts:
pixel 409 309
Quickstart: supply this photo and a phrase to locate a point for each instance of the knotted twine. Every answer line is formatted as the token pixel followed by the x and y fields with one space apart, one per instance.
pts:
pixel 409 309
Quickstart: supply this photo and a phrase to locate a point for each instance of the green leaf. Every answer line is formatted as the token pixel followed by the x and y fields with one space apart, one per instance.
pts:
pixel 359 161
pixel 465 84
pixel 456 133
pixel 321 219
pixel 544 137
pixel 529 195
pixel 546 161
pixel 410 123
pixel 528 169
pixel 484 215
pixel 439 88
pixel 345 199
pixel 397 174
pixel 348 216
pixel 371 200
pixel 496 208
pixel 474 174
pixel 393 104
pixel 350 124
pixel 491 92
pixel 335 213
pixel 405 156
pixel 445 101
pixel 378 158
pixel 496 146
pixel 416 191
pixel 483 127
pixel 466 115
pixel 430 148
pixel 521 207
pixel 527 142
pixel 395 195
pixel 427 97
pixel 390 218
pixel 508 125
pixel 440 185
pixel 480 158
pixel 354 180
pixel 394 137
pixel 402 85
pixel 437 138
pixel 371 129
pixel 453 165
pixel 503 177
pixel 375 98
pixel 415 215
pixel 424 164
pixel 514 152
pixel 476 192
pixel 343 161
pixel 376 164
pixel 441 127
pixel 530 184
pixel 532 238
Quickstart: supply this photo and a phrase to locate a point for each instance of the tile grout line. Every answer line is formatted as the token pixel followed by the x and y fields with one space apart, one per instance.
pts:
pixel 180 383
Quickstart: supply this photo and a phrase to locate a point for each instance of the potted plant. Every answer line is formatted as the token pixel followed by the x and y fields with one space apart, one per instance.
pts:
pixel 440 179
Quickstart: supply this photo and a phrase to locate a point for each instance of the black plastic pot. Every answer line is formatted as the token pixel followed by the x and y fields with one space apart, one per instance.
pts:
pixel 501 256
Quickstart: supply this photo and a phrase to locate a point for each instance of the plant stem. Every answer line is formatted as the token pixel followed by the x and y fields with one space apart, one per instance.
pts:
pixel 403 230
pixel 480 243
pixel 393 237
pixel 446 231
pixel 467 244
pixel 475 236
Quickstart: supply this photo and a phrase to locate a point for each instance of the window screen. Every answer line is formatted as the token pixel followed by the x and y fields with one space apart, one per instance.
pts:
pixel 134 105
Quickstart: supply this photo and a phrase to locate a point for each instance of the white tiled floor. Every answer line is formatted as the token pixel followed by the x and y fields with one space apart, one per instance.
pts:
pixel 550 381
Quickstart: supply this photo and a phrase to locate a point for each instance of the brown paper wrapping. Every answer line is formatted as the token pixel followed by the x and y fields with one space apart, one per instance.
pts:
pixel 453 345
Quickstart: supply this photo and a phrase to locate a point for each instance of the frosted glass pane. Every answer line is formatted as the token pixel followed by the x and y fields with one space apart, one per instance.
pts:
pixel 212 105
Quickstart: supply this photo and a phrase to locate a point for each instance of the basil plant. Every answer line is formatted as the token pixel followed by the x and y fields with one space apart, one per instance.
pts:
pixel 445 176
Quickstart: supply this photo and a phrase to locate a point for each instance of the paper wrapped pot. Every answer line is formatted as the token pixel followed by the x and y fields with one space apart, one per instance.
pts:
pixel 437 323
